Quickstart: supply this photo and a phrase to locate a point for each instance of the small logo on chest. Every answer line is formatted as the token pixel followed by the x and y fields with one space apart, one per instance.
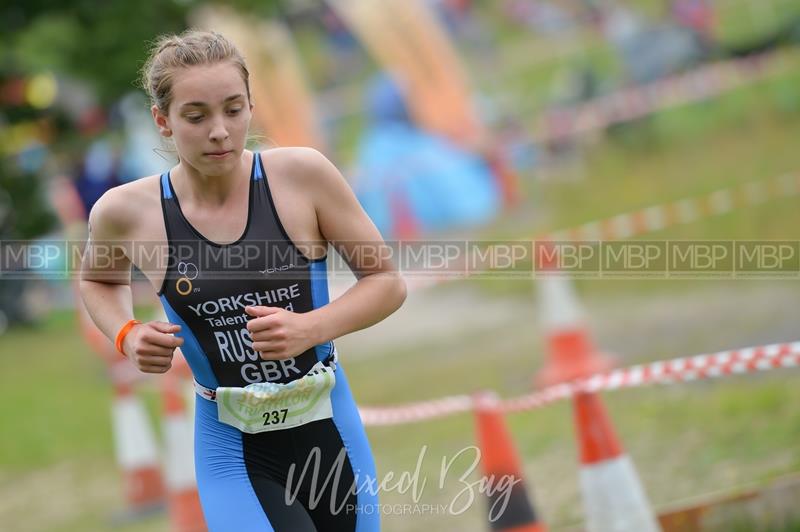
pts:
pixel 276 269
pixel 189 273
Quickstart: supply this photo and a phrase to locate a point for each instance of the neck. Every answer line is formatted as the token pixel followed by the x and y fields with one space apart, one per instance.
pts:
pixel 206 189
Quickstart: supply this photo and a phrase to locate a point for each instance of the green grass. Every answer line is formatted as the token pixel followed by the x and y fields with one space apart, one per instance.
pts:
pixel 686 152
pixel 685 440
pixel 56 402
pixel 531 86
pixel 746 135
pixel 57 394
pixel 747 525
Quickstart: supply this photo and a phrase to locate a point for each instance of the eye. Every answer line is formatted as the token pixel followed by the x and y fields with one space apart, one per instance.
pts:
pixel 194 118
pixel 235 111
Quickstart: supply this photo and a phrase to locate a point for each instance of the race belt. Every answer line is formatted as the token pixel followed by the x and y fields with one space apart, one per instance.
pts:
pixel 268 406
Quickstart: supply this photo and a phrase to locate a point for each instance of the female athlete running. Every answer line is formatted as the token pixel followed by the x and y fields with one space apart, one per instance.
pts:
pixel 235 244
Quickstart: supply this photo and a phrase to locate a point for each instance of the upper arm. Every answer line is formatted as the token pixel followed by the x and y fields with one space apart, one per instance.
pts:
pixel 341 219
pixel 106 257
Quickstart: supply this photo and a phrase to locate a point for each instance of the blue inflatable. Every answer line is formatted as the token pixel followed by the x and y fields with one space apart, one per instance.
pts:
pixel 441 185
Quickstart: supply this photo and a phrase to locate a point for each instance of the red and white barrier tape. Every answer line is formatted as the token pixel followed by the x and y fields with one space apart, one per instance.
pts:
pixel 724 363
pixel 659 217
pixel 413 412
pixel 636 102
pixel 653 218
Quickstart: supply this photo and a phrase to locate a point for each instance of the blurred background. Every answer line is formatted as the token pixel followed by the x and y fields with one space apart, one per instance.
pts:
pixel 492 120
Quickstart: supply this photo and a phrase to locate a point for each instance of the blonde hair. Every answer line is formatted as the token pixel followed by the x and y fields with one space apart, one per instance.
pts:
pixel 192 47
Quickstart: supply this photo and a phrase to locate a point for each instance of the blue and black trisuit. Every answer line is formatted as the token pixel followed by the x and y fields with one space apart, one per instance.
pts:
pixel 242 477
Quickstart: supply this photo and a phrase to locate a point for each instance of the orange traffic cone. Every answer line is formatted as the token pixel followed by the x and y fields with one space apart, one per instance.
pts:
pixel 135 446
pixel 613 498
pixel 185 512
pixel 135 449
pixel 510 509
pixel 570 353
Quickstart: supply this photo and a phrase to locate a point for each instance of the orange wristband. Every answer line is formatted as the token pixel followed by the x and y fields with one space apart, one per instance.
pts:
pixel 123 332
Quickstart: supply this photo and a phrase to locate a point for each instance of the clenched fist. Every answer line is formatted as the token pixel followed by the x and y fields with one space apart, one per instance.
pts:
pixel 279 333
pixel 150 345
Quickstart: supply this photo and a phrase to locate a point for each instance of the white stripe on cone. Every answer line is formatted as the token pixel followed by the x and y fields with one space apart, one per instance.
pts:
pixel 186 514
pixel 559 305
pixel 179 462
pixel 134 441
pixel 614 500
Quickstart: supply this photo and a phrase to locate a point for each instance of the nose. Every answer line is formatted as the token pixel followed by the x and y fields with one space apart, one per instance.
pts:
pixel 218 130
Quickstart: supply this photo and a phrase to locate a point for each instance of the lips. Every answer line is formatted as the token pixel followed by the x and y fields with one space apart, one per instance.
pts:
pixel 218 154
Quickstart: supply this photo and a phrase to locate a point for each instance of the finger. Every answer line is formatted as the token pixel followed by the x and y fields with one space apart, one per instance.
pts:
pixel 271 351
pixel 164 340
pixel 258 311
pixel 164 327
pixel 272 355
pixel 272 334
pixel 150 360
pixel 153 350
pixel 261 324
pixel 154 369
pixel 268 347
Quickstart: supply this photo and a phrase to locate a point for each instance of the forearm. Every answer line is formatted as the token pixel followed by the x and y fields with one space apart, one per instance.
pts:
pixel 372 299
pixel 109 305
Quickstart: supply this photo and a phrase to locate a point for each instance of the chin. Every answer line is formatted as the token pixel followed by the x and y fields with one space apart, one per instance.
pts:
pixel 212 167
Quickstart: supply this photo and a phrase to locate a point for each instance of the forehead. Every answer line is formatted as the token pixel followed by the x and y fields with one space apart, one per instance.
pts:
pixel 207 83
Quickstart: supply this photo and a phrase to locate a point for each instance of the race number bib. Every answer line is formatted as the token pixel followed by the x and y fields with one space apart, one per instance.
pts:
pixel 267 406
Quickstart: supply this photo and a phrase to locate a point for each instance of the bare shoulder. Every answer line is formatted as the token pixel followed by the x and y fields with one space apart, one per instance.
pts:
pixel 299 164
pixel 293 155
pixel 311 194
pixel 121 209
pixel 305 172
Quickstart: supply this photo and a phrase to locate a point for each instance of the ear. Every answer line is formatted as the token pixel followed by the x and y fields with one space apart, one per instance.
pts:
pixel 161 121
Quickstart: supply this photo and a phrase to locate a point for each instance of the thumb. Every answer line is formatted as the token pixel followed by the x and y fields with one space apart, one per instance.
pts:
pixel 164 327
pixel 259 312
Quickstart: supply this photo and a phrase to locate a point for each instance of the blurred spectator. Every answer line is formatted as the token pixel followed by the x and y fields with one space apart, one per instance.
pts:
pixel 543 17
pixel 696 15
pixel 650 51
pixel 98 173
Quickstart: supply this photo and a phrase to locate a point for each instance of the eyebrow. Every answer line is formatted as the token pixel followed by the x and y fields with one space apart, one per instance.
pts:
pixel 204 104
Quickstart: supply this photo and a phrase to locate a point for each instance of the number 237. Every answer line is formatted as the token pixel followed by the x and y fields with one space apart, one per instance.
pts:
pixel 273 417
